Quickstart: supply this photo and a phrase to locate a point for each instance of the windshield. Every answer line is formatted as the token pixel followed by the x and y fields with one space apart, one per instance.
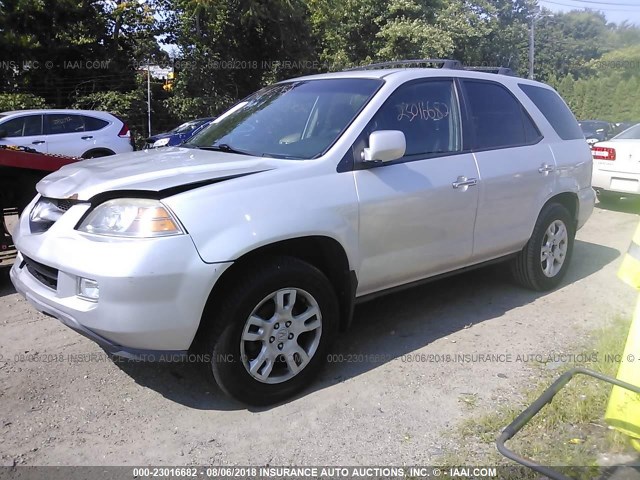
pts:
pixel 188 126
pixel 289 120
pixel 592 126
pixel 632 133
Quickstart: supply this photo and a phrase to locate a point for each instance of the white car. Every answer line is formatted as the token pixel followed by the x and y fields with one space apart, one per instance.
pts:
pixel 616 165
pixel 74 133
pixel 251 244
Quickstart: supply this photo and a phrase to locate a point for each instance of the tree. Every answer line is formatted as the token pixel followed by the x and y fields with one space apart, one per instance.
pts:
pixel 503 39
pixel 230 47
pixel 567 42
pixel 20 101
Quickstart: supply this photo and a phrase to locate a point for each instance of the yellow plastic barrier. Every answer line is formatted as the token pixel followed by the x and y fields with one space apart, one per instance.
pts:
pixel 623 410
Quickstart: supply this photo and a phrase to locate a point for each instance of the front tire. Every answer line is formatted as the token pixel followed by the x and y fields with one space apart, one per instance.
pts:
pixel 543 262
pixel 271 334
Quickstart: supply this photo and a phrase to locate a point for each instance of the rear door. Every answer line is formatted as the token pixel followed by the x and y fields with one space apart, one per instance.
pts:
pixel 516 169
pixel 66 134
pixel 417 213
pixel 24 131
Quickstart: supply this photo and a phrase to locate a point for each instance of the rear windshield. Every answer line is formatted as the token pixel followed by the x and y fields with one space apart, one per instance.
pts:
pixel 555 111
pixel 632 133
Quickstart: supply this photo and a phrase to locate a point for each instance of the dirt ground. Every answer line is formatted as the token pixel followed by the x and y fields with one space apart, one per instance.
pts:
pixel 62 402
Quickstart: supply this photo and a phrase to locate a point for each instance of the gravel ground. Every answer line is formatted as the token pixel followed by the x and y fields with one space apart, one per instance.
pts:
pixel 62 402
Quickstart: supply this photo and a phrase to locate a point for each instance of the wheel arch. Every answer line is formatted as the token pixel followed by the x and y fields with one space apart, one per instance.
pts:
pixel 569 200
pixel 105 152
pixel 324 253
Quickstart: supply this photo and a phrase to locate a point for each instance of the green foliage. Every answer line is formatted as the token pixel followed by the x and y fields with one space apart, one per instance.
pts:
pixel 124 105
pixel 193 107
pixel 20 101
pixel 610 91
pixel 567 42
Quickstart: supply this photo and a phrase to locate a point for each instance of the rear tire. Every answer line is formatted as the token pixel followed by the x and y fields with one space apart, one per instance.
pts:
pixel 544 260
pixel 269 337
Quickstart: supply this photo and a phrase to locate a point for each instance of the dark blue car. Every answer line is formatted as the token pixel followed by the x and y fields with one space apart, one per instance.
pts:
pixel 179 134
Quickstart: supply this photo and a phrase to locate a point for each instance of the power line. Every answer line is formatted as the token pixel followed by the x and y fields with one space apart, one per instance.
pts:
pixel 612 4
pixel 592 8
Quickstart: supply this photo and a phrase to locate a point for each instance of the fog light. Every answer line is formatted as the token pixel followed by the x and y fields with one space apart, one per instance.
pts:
pixel 88 289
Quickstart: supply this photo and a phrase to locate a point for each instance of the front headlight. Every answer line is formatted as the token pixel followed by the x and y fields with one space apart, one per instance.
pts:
pixel 160 143
pixel 131 217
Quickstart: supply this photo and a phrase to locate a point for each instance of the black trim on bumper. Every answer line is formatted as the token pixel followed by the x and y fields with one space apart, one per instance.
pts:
pixel 141 355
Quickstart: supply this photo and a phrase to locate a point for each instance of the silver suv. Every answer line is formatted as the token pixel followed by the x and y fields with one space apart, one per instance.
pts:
pixel 252 243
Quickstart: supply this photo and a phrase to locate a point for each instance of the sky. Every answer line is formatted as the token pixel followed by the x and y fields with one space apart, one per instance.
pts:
pixel 615 10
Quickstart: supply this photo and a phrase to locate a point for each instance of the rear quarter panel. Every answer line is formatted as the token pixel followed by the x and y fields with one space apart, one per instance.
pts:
pixel 573 161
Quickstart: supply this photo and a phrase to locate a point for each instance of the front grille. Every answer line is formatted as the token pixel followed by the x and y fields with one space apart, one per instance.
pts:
pixel 48 276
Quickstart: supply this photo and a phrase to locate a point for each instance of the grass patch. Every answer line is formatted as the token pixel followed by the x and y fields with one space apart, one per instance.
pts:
pixel 570 431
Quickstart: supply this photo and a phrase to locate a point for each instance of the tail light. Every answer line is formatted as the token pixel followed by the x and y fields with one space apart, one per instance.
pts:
pixel 124 131
pixel 603 153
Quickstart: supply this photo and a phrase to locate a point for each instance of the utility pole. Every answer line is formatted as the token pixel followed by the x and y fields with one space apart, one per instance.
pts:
pixel 149 96
pixel 532 41
pixel 532 47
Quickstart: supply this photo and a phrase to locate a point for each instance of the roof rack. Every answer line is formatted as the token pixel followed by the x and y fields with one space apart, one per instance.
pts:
pixel 498 70
pixel 444 63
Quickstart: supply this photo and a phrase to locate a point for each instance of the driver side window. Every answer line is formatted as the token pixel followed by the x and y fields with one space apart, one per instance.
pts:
pixel 428 115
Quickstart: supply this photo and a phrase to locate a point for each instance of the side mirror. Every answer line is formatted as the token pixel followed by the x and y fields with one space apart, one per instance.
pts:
pixel 385 146
pixel 3 133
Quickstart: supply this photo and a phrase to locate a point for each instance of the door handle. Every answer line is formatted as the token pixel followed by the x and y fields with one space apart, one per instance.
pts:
pixel 464 182
pixel 87 137
pixel 37 142
pixel 544 168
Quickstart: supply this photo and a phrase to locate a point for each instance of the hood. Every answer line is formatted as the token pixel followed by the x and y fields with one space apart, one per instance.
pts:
pixel 158 136
pixel 150 170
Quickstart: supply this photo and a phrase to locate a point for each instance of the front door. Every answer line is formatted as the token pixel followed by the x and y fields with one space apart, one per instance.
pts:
pixel 417 214
pixel 25 131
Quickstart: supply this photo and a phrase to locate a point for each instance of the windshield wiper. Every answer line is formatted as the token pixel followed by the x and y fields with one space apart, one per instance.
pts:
pixel 225 147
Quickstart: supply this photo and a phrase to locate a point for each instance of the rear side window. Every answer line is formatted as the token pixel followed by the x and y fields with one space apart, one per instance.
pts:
pixel 92 124
pixel 555 111
pixel 64 123
pixel 498 118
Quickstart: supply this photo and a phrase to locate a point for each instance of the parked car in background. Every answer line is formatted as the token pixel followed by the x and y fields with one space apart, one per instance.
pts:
pixel 596 130
pixel 620 127
pixel 179 134
pixel 74 133
pixel 616 165
pixel 251 243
